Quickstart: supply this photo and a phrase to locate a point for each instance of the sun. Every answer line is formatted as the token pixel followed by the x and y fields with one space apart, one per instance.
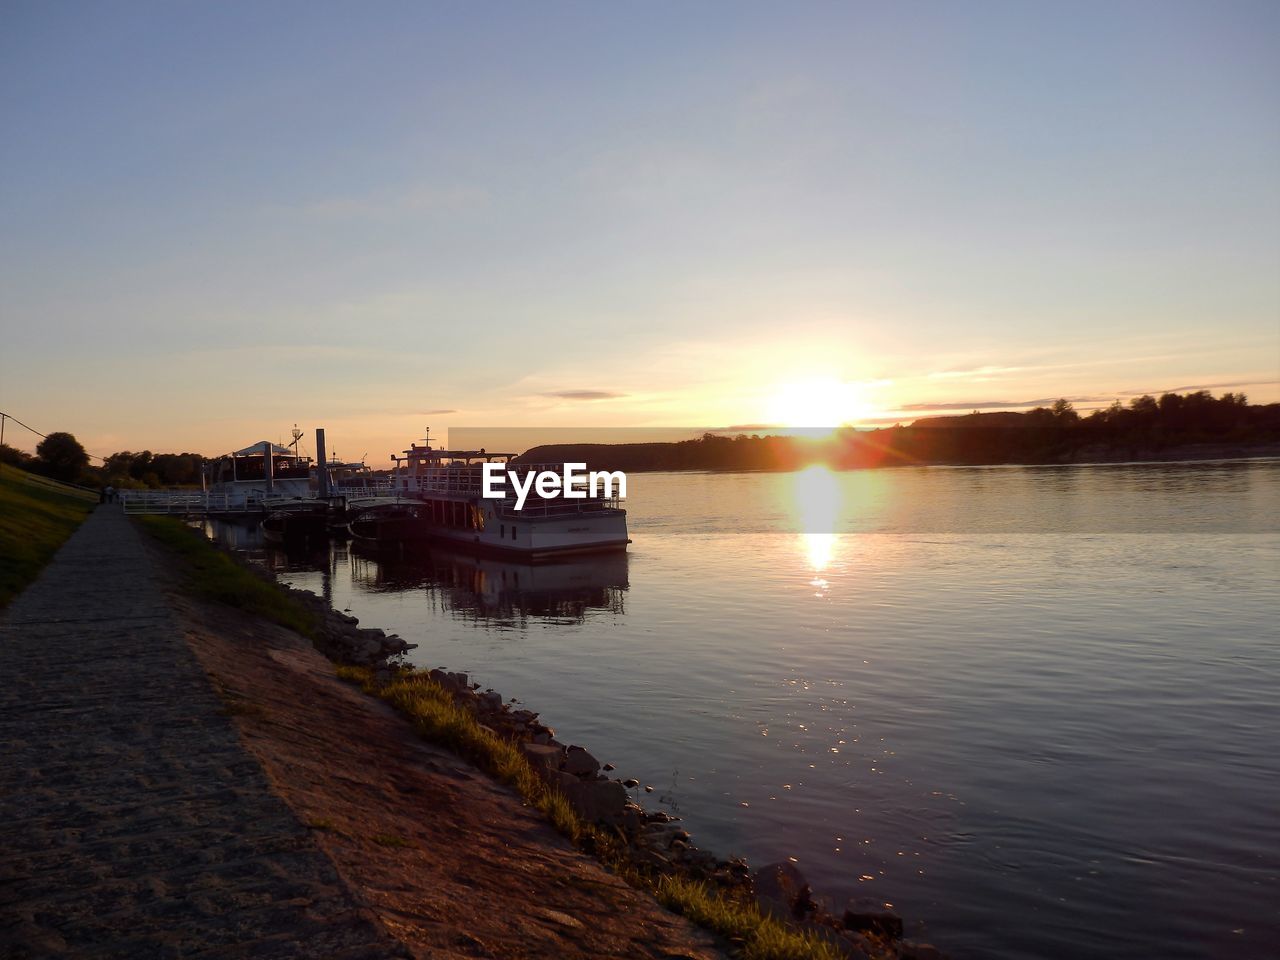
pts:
pixel 823 402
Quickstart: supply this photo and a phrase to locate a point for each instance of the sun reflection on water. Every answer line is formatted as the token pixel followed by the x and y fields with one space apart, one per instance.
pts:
pixel 816 503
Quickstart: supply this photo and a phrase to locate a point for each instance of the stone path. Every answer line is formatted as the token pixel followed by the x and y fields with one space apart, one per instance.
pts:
pixel 133 823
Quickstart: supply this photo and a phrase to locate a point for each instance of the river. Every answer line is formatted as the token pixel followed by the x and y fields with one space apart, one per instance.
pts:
pixel 1035 708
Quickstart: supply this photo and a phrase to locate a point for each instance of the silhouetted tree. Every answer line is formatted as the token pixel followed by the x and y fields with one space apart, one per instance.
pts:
pixel 1063 411
pixel 15 457
pixel 61 457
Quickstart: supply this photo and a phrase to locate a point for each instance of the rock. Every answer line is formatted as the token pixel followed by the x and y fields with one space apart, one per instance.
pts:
pixel 580 763
pixel 490 701
pixel 873 916
pixel 652 858
pixel 781 890
pixel 597 801
pixel 631 783
pixel 661 834
pixel 845 943
pixel 648 789
pixel 607 767
pixel 545 760
pixel 632 818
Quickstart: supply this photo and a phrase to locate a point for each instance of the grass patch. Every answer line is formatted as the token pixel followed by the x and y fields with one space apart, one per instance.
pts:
pixel 438 718
pixel 323 823
pixel 35 520
pixel 212 574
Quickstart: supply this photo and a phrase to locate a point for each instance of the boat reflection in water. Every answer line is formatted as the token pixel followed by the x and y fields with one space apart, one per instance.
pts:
pixel 475 586
pixel 487 588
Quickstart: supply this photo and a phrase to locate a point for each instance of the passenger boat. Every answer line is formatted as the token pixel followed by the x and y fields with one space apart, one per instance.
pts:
pixel 266 477
pixel 297 521
pixel 448 487
pixel 258 472
pixel 389 523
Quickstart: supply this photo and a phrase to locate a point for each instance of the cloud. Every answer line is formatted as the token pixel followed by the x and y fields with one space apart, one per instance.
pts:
pixel 998 404
pixel 584 395
pixel 433 413
pixel 1198 386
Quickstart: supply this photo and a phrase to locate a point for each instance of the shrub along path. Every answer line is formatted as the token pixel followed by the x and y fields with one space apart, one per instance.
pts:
pixel 146 811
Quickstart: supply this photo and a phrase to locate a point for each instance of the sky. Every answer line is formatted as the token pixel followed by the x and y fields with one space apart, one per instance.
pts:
pixel 219 220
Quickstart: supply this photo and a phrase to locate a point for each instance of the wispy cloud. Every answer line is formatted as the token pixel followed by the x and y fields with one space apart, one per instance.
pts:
pixel 1199 386
pixel 584 395
pixel 433 413
pixel 997 404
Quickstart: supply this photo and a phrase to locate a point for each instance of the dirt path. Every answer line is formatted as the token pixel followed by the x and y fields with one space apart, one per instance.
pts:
pixel 275 812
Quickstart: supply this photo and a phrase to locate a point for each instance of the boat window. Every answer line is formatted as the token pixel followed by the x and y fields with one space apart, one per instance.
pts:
pixel 502 530
pixel 513 531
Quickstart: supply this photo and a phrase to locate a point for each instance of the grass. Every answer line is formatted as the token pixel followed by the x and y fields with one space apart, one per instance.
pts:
pixel 35 520
pixel 438 718
pixel 212 574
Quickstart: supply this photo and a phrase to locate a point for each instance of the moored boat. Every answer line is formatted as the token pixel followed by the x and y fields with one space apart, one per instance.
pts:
pixel 389 523
pixel 297 521
pixel 448 486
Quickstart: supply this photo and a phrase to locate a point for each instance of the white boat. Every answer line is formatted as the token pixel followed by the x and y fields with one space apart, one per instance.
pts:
pixel 266 476
pixel 260 471
pixel 449 484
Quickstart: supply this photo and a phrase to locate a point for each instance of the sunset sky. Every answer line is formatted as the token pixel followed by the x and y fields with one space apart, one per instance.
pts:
pixel 221 219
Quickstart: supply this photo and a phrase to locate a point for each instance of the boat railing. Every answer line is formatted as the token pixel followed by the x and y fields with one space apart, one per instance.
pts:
pixel 184 502
pixel 373 488
pixel 554 508
pixel 470 479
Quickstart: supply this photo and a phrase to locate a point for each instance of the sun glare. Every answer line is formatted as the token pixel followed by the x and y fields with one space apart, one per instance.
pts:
pixel 817 506
pixel 822 402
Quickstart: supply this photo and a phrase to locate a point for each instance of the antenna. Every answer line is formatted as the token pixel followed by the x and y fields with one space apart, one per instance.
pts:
pixel 427 439
pixel 297 435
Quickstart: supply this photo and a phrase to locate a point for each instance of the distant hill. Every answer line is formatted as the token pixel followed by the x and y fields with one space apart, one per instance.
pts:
pixel 1176 426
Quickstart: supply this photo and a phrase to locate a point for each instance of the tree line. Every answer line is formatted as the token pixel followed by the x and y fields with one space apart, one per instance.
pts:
pixel 61 456
pixel 1145 428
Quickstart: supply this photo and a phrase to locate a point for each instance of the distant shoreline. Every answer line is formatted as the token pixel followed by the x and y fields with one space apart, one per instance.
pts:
pixel 1187 453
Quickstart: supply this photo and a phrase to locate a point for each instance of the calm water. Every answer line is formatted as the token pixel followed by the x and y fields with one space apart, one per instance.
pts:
pixel 1037 709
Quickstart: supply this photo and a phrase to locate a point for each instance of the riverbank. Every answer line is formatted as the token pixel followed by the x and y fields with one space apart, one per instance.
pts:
pixel 444 859
pixel 36 518
pixel 770 914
